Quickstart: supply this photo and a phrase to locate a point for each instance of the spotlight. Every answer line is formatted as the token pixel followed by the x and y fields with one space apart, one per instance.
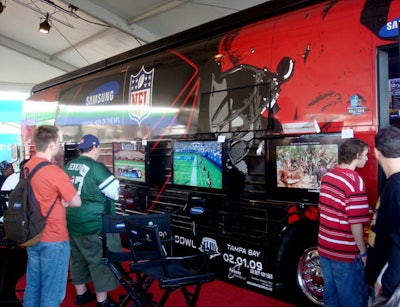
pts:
pixel 2 7
pixel 44 26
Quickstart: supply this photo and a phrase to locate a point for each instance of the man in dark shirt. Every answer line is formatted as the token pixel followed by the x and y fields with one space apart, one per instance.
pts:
pixel 385 249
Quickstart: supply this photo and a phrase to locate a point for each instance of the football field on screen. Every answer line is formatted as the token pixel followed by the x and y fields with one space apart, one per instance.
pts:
pixel 134 165
pixel 194 170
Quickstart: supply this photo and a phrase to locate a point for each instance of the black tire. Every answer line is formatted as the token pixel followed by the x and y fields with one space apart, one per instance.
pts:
pixel 299 266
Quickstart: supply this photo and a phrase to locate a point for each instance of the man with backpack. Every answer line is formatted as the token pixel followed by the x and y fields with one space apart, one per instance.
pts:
pixel 47 268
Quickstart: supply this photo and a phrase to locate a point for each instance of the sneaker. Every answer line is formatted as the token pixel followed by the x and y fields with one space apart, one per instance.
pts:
pixel 85 298
pixel 107 303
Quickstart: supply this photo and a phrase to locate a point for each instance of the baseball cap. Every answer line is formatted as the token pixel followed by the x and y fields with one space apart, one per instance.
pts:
pixel 88 141
pixel 4 165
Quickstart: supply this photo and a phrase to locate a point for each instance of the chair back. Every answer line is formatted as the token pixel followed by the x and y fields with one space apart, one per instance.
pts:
pixel 116 224
pixel 145 240
pixel 161 220
pixel 113 224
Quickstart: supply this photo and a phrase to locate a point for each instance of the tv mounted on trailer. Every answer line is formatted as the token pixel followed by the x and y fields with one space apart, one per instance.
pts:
pixel 297 164
pixel 129 161
pixel 198 164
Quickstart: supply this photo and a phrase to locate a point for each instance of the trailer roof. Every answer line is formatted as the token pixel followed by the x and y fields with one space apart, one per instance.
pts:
pixel 86 33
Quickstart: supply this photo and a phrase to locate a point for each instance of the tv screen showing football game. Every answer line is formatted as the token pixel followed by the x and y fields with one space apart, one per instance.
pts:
pixel 198 163
pixel 129 161
pixel 298 164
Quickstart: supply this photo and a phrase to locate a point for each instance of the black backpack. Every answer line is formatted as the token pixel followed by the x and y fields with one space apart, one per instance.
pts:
pixel 23 220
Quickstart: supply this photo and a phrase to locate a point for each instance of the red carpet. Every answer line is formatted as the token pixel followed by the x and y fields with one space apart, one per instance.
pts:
pixel 216 293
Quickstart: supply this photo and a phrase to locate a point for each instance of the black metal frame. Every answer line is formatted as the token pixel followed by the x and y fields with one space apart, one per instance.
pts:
pixel 115 224
pixel 172 273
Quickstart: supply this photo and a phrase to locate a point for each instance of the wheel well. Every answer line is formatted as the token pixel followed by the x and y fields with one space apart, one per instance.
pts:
pixel 296 238
pixel 304 230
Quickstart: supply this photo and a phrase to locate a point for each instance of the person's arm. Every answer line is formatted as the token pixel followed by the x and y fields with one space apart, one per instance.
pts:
pixel 74 202
pixel 358 233
pixel 112 190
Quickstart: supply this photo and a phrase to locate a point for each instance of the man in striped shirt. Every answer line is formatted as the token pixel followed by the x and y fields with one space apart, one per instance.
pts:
pixel 344 211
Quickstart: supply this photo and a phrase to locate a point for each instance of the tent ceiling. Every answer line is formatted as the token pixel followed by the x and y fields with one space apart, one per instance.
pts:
pixel 86 31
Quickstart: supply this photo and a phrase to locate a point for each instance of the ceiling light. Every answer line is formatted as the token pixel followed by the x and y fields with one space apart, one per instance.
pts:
pixel 45 26
pixel 2 7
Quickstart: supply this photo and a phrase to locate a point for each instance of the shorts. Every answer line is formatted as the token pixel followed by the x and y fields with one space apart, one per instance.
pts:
pixel 86 261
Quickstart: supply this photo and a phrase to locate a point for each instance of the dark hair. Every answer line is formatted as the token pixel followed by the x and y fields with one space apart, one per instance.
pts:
pixel 350 149
pixel 387 141
pixel 44 135
pixel 85 150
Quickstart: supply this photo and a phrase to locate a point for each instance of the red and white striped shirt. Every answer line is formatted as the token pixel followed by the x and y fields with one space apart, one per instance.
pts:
pixel 342 202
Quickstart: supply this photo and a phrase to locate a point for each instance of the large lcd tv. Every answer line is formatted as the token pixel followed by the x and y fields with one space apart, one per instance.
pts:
pixel 198 164
pixel 129 161
pixel 296 165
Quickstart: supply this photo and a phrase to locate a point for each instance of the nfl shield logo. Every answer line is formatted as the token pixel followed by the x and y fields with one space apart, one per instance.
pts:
pixel 140 92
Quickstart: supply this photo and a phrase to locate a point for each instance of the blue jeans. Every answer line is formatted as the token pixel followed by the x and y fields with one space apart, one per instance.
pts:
pixel 46 274
pixel 344 283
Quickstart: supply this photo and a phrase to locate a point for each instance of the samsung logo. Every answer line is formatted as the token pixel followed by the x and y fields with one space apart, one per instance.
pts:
pixel 197 210
pixel 103 94
pixel 390 29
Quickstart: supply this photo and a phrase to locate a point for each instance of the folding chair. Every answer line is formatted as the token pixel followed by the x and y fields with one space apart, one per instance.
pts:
pixel 170 272
pixel 115 224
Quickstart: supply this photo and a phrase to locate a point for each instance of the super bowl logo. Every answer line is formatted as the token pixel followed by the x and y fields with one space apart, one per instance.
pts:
pixel 140 93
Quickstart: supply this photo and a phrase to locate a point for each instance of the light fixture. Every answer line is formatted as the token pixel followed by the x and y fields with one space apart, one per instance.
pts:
pixel 2 7
pixel 45 26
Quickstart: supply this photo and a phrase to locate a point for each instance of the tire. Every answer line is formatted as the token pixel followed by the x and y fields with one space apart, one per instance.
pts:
pixel 309 276
pixel 299 266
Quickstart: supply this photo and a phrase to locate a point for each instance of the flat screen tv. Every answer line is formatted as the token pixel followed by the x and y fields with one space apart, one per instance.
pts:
pixel 198 164
pixel 296 165
pixel 129 161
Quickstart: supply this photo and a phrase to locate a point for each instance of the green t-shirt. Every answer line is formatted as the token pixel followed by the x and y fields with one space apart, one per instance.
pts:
pixel 89 178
